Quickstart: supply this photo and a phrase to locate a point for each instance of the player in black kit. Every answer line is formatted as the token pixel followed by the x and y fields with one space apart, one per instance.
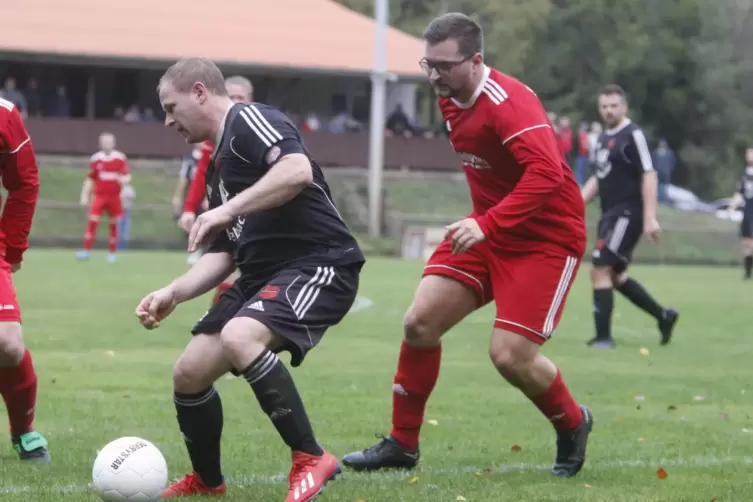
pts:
pixel 271 216
pixel 744 194
pixel 625 180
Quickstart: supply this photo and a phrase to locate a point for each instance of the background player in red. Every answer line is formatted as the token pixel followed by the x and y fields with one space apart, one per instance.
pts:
pixel 240 90
pixel 521 247
pixel 108 172
pixel 18 379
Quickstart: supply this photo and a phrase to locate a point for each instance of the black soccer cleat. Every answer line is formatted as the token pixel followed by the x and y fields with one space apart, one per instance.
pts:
pixel 386 454
pixel 571 447
pixel 602 343
pixel 31 447
pixel 667 325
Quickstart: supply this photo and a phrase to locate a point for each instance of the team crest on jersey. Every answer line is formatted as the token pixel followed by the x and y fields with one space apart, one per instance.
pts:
pixel 602 165
pixel 472 161
pixel 611 143
pixel 269 292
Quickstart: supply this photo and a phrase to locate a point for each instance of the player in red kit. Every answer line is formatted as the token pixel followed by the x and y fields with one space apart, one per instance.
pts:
pixel 240 90
pixel 521 246
pixel 18 379
pixel 108 172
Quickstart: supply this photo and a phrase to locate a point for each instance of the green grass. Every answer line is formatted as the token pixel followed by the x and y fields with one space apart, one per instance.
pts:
pixel 103 377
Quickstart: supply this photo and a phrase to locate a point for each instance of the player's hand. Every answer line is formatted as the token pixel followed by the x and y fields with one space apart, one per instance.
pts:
pixel 207 225
pixel 84 202
pixel 15 267
pixel 186 221
pixel 465 234
pixel 652 229
pixel 155 307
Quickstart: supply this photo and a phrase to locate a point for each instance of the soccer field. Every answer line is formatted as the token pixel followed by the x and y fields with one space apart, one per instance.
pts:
pixel 685 408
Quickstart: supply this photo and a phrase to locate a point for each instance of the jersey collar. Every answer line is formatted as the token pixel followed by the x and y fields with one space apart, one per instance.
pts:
pixel 626 122
pixel 477 93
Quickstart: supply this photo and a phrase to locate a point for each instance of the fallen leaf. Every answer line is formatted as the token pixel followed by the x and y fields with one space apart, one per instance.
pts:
pixel 619 419
pixel 515 448
pixel 413 480
pixel 641 440
pixel 715 499
pixel 747 431
pixel 640 398
pixel 477 474
pixel 432 422
pixel 461 498
pixel 724 416
pixel 698 398
pixel 671 407
pixel 633 393
pixel 110 353
pixel 587 485
pixel 683 418
pixel 644 351
pixel 661 473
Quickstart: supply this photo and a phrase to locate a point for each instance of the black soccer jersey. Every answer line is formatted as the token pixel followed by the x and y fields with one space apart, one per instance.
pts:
pixel 306 229
pixel 745 188
pixel 621 158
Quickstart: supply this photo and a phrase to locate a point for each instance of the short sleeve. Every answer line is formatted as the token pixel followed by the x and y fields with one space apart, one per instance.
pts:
pixel 638 152
pixel 262 135
pixel 14 133
pixel 221 244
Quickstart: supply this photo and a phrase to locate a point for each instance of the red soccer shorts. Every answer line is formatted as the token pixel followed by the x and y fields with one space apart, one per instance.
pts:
pixel 9 309
pixel 112 205
pixel 529 289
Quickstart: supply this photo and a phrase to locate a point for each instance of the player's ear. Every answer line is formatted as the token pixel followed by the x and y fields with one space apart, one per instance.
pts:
pixel 200 91
pixel 477 60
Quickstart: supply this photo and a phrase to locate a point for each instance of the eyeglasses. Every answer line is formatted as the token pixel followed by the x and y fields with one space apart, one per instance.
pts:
pixel 442 67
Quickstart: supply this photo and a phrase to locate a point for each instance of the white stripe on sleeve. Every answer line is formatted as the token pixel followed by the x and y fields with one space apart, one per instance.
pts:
pixel 643 152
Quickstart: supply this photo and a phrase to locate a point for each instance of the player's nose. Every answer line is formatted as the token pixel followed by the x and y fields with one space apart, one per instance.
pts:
pixel 169 121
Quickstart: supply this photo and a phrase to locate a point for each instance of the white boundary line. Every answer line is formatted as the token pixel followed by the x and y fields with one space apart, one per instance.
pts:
pixel 401 476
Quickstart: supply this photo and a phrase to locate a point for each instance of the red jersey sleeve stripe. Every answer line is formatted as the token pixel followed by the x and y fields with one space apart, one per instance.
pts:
pixel 524 130
pixel 20 146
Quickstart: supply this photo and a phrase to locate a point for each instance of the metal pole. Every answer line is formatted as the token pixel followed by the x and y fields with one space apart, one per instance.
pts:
pixel 379 79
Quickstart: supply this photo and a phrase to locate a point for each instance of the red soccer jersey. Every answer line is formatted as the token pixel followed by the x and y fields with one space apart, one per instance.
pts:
pixel 198 189
pixel 18 168
pixel 107 171
pixel 523 192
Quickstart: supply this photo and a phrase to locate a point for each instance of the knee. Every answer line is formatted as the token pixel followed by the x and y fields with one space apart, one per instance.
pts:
pixel 419 330
pixel 11 344
pixel 601 277
pixel 511 355
pixel 243 339
pixel 188 378
pixel 619 278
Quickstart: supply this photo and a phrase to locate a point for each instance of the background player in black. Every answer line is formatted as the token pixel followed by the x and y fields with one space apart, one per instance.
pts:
pixel 625 180
pixel 271 215
pixel 744 194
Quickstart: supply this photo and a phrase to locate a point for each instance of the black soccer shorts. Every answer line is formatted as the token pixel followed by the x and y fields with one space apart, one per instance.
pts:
pixel 746 227
pixel 618 234
pixel 298 304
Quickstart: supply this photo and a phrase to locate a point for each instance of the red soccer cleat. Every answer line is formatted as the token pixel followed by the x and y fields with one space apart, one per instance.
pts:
pixel 191 485
pixel 309 475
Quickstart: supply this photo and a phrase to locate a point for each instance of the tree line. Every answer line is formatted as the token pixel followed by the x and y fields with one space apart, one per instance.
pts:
pixel 686 65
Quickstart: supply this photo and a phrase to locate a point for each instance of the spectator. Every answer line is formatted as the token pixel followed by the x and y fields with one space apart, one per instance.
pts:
pixel 61 107
pixel 119 113
pixel 33 98
pixel 342 122
pixel 12 94
pixel 581 162
pixel 399 123
pixel 311 123
pixel 565 134
pixel 664 162
pixel 133 114
pixel 149 115
pixel 593 139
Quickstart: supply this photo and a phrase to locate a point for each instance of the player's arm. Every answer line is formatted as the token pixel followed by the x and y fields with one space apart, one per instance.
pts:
pixel 21 179
pixel 125 174
pixel 737 198
pixel 208 272
pixel 266 137
pixel 534 147
pixel 590 189
pixel 88 185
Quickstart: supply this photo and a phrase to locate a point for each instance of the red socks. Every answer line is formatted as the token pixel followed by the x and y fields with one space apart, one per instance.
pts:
pixel 221 289
pixel 417 373
pixel 18 387
pixel 558 405
pixel 91 232
pixel 112 243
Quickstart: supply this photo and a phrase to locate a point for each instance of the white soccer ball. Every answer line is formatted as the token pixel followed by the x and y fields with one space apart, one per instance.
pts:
pixel 129 469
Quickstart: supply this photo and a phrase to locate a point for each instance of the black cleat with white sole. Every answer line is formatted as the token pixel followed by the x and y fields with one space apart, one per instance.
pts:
pixel 571 447
pixel 386 454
